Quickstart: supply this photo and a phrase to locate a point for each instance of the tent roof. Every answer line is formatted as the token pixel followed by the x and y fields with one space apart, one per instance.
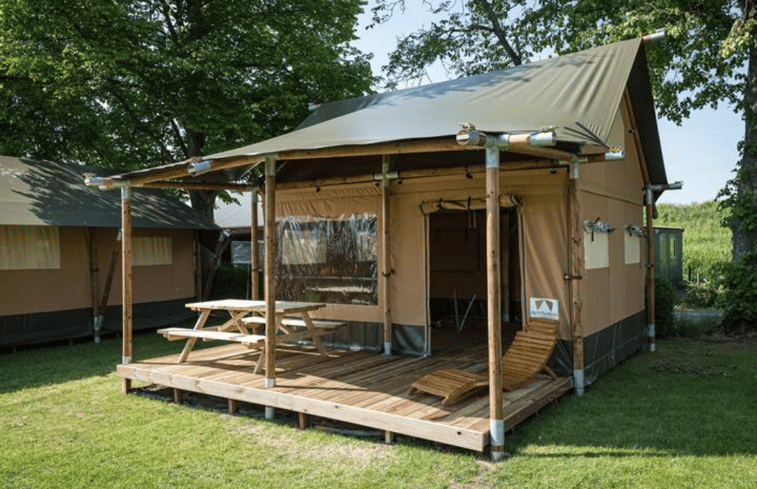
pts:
pixel 34 193
pixel 237 216
pixel 561 93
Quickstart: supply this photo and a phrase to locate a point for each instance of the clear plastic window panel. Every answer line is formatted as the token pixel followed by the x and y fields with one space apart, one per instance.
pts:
pixel 328 259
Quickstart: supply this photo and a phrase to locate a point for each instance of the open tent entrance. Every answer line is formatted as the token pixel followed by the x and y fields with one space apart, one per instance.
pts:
pixel 457 278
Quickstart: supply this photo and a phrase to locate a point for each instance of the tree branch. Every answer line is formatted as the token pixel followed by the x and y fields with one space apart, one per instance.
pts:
pixel 497 29
pixel 165 10
pixel 179 138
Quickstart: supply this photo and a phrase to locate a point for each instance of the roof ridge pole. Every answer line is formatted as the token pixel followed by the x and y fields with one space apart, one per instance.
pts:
pixel 126 277
pixel 386 270
pixel 270 278
pixel 494 293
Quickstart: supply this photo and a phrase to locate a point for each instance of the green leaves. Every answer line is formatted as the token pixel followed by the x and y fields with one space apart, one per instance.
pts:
pixel 127 84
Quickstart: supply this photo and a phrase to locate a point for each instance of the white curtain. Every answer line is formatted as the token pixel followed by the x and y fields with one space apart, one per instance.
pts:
pixel 152 250
pixel 29 247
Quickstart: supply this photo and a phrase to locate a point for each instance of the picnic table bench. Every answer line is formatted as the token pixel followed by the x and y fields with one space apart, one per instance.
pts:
pixel 246 315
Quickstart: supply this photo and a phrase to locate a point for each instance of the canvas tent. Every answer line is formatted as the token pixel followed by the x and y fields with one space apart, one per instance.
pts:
pixel 58 241
pixel 535 206
pixel 236 218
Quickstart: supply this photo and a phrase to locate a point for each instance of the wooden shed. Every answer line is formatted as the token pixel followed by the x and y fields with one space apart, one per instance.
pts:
pixel 517 193
pixel 59 255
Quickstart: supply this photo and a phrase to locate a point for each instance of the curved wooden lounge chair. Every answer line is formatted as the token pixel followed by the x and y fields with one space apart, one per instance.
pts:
pixel 524 359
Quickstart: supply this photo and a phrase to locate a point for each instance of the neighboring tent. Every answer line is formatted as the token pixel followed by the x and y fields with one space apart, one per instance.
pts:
pixel 381 201
pixel 236 218
pixel 57 245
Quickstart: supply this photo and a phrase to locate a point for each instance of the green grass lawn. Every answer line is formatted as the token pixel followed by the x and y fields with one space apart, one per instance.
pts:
pixel 685 416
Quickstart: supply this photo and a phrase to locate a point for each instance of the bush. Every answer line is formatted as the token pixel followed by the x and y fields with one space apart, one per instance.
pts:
pixel 664 303
pixel 739 298
pixel 230 283
pixel 700 296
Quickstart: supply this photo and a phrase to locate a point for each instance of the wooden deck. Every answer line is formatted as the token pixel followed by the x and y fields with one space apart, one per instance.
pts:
pixel 361 388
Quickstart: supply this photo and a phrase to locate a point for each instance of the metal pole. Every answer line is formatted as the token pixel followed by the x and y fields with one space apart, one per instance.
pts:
pixel 649 198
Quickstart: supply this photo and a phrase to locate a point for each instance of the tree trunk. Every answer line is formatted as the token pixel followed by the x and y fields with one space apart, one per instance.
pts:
pixel 744 239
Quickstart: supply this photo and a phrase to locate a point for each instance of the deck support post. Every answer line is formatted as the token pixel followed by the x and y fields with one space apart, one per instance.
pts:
pixel 254 260
pixel 389 437
pixel 270 275
pixel 649 204
pixel 176 396
pixel 575 231
pixel 270 413
pixel 494 299
pixel 126 277
pixel 304 420
pixel 386 271
pixel 232 406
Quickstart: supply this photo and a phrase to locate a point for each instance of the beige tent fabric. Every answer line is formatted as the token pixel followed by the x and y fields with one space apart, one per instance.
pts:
pixel 467 205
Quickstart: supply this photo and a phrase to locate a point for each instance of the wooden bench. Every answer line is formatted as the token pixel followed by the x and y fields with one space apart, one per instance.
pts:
pixel 285 321
pixel 177 334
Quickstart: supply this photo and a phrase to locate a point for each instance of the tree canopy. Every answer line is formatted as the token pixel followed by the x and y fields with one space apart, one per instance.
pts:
pixel 127 84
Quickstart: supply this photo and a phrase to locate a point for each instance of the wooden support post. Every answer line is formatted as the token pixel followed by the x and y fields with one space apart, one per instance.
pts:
pixel 493 300
pixel 220 248
pixel 254 260
pixel 304 420
pixel 176 396
pixel 505 284
pixel 270 274
pixel 196 248
pixel 386 271
pixel 111 273
pixel 126 277
pixel 94 276
pixel 575 231
pixel 232 406
pixel 650 269
pixel 388 437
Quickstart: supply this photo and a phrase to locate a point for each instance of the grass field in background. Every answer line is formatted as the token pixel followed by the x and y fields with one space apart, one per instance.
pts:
pixel 681 417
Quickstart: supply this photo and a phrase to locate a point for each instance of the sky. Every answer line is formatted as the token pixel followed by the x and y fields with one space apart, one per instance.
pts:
pixel 702 151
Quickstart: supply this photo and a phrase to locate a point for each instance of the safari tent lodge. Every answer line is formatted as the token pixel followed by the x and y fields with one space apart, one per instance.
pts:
pixel 429 231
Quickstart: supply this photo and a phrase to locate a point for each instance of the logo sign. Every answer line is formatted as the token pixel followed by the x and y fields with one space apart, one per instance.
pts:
pixel 544 308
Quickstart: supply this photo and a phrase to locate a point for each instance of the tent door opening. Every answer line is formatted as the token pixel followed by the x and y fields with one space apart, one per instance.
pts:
pixel 457 278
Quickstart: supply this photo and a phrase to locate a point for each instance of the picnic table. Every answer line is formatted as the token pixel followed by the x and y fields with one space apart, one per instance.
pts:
pixel 292 323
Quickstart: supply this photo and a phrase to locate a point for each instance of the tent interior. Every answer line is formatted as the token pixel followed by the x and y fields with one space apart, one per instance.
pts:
pixel 457 278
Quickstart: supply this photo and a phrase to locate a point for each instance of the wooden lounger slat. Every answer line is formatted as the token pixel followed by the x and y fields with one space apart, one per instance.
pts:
pixel 527 355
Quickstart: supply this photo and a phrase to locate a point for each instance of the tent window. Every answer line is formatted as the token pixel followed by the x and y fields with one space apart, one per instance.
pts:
pixel 29 247
pixel 328 259
pixel 633 249
pixel 596 250
pixel 152 250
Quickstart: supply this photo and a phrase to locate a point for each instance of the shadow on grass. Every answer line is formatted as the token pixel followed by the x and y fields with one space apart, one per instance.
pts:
pixel 692 397
pixel 48 365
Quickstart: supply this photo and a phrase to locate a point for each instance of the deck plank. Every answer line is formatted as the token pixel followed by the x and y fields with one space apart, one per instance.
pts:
pixel 357 387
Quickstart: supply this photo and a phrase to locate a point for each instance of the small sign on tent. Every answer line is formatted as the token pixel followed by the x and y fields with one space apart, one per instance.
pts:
pixel 544 308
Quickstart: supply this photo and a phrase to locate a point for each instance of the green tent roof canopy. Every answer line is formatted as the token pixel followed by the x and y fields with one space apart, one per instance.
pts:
pixel 576 95
pixel 44 193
